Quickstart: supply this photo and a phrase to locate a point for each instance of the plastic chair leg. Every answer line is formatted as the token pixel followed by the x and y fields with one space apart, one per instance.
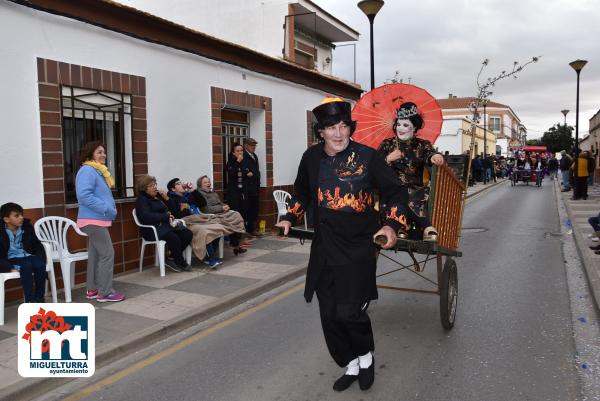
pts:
pixel 66 274
pixel 160 251
pixel 188 255
pixel 221 246
pixel 52 280
pixel 72 269
pixel 142 254
pixel 2 296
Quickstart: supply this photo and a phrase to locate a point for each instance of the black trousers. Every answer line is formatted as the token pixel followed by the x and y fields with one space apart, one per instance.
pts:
pixel 581 188
pixel 177 241
pixel 32 269
pixel 251 214
pixel 347 327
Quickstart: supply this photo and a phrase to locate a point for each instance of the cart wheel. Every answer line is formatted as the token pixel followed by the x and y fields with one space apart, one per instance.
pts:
pixel 449 294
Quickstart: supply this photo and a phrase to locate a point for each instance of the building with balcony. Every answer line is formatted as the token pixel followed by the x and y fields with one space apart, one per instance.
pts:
pixel 298 31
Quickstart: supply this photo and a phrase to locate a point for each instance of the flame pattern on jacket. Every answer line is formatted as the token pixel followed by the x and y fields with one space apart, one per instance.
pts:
pixel 393 215
pixel 358 203
pixel 297 210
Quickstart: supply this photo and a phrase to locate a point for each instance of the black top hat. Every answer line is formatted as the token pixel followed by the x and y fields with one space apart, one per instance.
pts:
pixel 331 112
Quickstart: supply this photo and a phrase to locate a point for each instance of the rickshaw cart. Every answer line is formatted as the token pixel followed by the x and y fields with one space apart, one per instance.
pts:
pixel 526 176
pixel 446 204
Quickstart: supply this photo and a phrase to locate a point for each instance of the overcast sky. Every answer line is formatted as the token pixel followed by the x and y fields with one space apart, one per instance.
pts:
pixel 440 45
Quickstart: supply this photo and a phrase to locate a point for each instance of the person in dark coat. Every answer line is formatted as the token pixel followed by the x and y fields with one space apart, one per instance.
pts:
pixel 151 209
pixel 478 168
pixel 252 178
pixel 553 168
pixel 235 194
pixel 22 251
pixel 340 177
pixel 179 202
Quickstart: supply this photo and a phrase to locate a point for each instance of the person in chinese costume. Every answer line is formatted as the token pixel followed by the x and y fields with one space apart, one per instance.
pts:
pixel 340 177
pixel 410 157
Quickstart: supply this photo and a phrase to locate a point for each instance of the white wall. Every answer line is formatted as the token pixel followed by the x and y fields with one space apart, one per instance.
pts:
pixel 503 142
pixel 451 137
pixel 177 96
pixel 254 24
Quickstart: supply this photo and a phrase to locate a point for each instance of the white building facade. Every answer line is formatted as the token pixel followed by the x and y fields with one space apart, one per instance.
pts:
pixel 166 101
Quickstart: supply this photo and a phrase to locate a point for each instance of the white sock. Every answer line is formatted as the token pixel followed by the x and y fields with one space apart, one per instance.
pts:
pixel 365 360
pixel 352 368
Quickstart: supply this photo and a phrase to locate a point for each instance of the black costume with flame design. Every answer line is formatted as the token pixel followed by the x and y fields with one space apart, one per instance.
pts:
pixel 342 187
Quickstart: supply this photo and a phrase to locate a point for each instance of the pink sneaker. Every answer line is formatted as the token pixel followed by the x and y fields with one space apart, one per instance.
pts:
pixel 91 294
pixel 112 297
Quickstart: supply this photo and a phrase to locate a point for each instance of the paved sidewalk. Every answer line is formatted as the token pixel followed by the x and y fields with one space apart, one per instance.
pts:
pixel 157 307
pixel 579 211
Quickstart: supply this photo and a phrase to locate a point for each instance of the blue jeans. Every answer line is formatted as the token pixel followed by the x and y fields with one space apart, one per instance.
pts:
pixel 565 179
pixel 32 268
pixel 595 223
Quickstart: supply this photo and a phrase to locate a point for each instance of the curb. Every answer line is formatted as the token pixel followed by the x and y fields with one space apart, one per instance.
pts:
pixel 592 274
pixel 487 186
pixel 28 388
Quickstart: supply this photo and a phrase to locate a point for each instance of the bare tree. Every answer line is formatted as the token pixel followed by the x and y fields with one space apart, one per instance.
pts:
pixel 484 92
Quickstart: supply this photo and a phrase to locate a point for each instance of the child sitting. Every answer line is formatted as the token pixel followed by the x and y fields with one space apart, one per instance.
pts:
pixel 22 251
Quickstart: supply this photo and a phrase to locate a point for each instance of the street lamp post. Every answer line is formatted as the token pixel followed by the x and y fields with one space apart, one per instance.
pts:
pixel 371 8
pixel 577 65
pixel 565 112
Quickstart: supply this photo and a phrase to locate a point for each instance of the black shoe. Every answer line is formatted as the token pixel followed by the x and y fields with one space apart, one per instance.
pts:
pixel 238 250
pixel 595 248
pixel 597 252
pixel 366 377
pixel 184 266
pixel 172 265
pixel 344 382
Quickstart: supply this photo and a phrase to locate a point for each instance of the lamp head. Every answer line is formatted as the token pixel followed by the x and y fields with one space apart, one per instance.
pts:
pixel 578 65
pixel 565 112
pixel 370 7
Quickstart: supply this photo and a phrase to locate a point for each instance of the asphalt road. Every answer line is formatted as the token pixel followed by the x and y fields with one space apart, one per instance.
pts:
pixel 513 337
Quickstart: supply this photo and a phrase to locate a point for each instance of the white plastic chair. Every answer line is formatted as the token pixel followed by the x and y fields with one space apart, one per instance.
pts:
pixel 53 229
pixel 159 254
pixel 280 198
pixel 13 275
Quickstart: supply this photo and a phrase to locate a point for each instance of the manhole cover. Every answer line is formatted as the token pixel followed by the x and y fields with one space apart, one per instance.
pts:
pixel 474 230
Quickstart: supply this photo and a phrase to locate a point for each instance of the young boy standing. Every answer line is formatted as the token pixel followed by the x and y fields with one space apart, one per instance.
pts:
pixel 22 251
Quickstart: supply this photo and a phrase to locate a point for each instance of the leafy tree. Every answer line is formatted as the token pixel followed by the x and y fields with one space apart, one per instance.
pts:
pixel 534 142
pixel 559 137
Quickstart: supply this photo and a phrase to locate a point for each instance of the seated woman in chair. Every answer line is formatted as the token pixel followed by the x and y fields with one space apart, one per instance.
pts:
pixel 209 202
pixel 206 234
pixel 151 209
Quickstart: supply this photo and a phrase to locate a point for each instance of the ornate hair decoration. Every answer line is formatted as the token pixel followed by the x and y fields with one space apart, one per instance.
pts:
pixel 404 113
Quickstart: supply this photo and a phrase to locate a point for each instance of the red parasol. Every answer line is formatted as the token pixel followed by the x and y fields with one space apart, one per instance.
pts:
pixel 375 113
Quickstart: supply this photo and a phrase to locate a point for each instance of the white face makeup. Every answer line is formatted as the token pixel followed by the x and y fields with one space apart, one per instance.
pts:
pixel 405 130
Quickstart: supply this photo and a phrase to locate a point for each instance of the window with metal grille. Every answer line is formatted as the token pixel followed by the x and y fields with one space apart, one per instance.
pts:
pixel 235 127
pixel 89 116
